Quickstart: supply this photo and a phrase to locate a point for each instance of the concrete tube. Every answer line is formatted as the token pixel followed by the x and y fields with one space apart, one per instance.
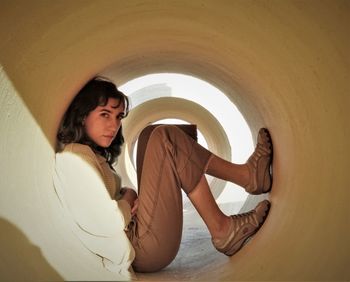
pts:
pixel 285 64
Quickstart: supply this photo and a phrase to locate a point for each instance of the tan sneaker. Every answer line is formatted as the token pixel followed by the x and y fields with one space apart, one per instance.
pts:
pixel 259 165
pixel 243 226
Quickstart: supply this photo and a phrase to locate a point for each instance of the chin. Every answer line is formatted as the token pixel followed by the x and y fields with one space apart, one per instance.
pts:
pixel 104 144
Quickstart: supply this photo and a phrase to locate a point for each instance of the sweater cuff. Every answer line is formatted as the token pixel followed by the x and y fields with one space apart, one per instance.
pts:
pixel 125 208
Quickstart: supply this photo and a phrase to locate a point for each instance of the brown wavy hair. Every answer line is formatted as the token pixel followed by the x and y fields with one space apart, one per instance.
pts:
pixel 96 92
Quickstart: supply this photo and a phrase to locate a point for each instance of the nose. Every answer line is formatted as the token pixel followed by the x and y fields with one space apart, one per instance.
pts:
pixel 114 125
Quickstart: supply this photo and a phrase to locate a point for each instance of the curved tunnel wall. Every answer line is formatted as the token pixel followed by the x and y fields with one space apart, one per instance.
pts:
pixel 285 64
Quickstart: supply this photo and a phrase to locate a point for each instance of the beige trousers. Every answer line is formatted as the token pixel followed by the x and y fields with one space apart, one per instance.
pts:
pixel 172 161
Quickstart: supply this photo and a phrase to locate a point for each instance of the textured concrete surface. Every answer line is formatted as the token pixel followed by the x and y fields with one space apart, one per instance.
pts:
pixel 285 64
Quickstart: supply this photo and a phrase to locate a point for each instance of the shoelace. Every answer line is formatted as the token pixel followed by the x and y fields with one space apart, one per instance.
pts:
pixel 260 150
pixel 241 219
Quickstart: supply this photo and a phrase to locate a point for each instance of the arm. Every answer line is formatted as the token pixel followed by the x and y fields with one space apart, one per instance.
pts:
pixel 96 219
pixel 87 199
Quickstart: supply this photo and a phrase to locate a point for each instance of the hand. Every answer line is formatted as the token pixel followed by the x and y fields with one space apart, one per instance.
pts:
pixel 130 196
pixel 135 207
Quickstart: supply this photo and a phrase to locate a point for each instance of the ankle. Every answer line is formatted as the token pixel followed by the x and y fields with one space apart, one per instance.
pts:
pixel 245 175
pixel 222 228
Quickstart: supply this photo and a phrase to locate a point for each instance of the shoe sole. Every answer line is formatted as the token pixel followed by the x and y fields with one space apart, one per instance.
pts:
pixel 266 177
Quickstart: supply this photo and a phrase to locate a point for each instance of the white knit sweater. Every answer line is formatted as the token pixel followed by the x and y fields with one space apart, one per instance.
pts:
pixel 89 191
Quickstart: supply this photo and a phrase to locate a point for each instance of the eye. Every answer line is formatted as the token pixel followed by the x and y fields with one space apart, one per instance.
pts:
pixel 120 116
pixel 105 115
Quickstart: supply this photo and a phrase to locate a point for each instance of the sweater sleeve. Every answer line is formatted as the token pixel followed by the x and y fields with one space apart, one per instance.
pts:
pixel 85 194
pixel 125 209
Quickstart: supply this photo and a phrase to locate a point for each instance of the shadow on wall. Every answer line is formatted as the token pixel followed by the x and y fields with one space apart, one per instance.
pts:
pixel 21 260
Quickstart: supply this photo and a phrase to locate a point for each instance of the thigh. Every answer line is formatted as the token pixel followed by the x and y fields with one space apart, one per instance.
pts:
pixel 158 222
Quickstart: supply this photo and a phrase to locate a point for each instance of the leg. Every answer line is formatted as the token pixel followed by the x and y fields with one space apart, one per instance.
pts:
pixel 172 161
pixel 255 175
pixel 229 233
pixel 220 168
pixel 205 204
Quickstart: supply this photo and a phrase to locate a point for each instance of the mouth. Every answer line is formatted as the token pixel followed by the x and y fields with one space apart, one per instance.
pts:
pixel 108 136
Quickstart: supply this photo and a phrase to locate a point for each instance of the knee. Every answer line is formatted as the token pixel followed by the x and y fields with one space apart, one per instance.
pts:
pixel 164 132
pixel 157 137
pixel 165 128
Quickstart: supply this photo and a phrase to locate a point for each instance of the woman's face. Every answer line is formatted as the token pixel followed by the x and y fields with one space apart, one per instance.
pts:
pixel 102 124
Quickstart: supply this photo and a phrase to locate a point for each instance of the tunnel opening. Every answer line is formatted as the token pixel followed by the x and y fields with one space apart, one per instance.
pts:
pixel 240 144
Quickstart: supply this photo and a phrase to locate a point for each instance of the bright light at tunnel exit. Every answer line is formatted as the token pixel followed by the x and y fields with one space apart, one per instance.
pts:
pixel 154 86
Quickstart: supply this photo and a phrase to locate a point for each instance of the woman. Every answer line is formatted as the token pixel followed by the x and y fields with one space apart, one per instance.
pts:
pixel 152 218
